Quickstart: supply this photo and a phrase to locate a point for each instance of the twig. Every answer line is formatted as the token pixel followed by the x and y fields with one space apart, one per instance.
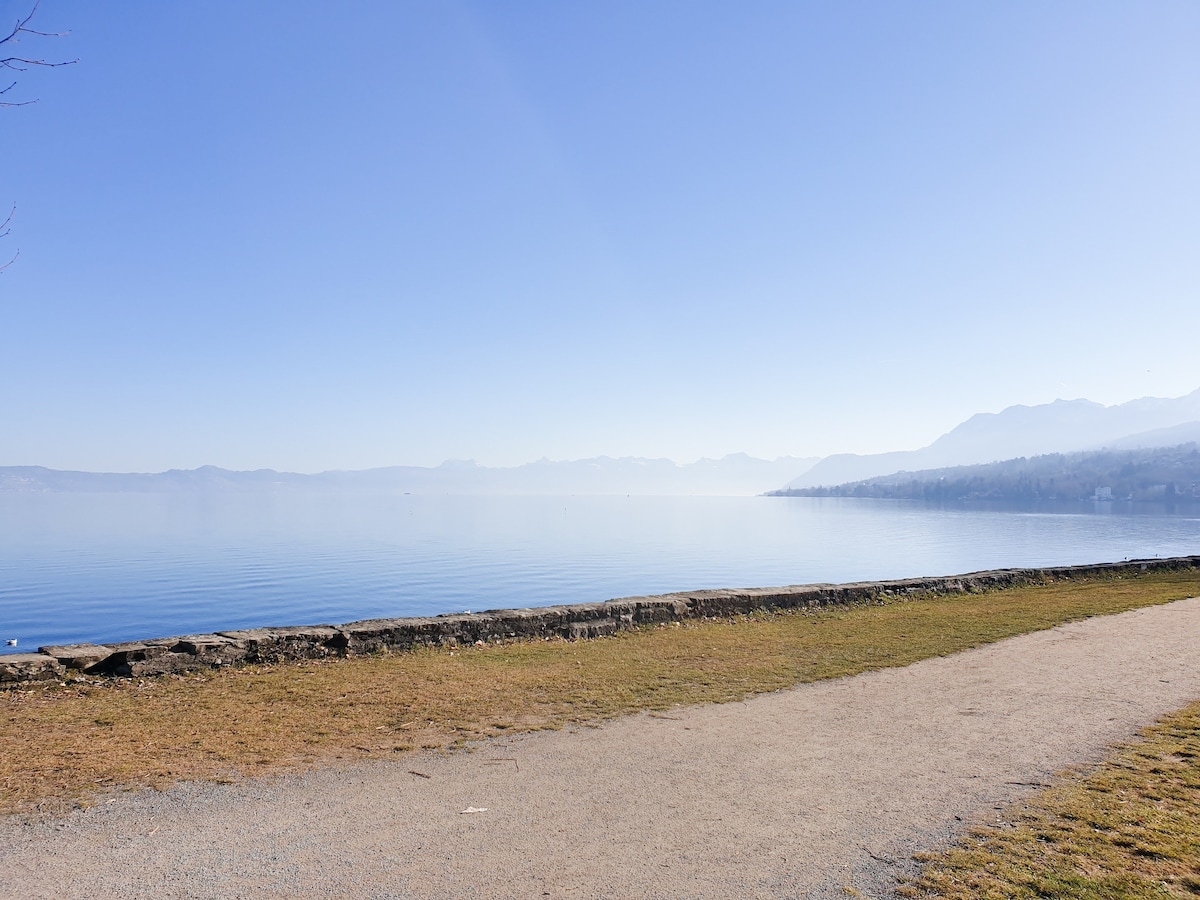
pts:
pixel 877 857
pixel 502 759
pixel 22 63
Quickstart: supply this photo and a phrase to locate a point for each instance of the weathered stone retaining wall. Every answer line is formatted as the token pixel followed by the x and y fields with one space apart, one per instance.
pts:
pixel 159 656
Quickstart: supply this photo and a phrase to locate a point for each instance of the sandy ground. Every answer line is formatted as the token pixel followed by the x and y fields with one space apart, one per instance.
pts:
pixel 801 793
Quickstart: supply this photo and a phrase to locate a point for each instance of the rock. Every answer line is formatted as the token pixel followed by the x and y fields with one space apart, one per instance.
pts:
pixel 380 635
pixel 138 658
pixel 78 656
pixel 17 667
pixel 267 645
pixel 592 628
pixel 210 649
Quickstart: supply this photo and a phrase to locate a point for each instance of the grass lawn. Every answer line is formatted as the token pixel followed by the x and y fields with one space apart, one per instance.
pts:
pixel 63 744
pixel 1129 828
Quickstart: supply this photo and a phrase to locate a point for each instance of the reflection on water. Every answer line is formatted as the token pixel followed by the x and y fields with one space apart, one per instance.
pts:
pixel 103 567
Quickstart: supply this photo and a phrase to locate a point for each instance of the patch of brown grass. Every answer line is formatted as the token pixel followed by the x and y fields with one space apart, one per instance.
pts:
pixel 1126 829
pixel 68 742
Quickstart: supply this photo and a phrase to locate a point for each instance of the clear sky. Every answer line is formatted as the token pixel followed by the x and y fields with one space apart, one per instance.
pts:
pixel 309 235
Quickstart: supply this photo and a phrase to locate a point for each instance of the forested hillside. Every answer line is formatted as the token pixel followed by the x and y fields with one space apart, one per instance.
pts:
pixel 1169 474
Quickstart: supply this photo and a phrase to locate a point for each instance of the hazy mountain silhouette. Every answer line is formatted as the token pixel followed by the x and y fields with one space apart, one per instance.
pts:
pixel 1063 426
pixel 735 474
pixel 1188 432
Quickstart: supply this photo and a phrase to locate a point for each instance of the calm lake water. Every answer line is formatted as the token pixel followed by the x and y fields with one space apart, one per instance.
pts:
pixel 106 567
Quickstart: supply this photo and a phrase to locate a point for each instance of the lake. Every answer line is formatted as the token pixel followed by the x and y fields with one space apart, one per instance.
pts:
pixel 80 567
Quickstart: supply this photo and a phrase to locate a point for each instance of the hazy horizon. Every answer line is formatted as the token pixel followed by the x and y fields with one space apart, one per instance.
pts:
pixel 310 237
pixel 1000 430
pixel 682 464
pixel 445 462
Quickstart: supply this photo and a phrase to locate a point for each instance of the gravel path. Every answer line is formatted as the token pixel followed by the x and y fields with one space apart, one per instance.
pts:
pixel 795 794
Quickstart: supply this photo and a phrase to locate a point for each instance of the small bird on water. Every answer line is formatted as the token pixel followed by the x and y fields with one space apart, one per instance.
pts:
pixel 12 642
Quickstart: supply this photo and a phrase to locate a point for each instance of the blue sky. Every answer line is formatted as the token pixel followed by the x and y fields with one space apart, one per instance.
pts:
pixel 314 235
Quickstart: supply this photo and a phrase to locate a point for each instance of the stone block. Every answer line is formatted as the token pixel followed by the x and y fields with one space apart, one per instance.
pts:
pixel 591 628
pixel 377 635
pixel 18 667
pixel 210 649
pixel 78 656
pixel 266 645
pixel 137 659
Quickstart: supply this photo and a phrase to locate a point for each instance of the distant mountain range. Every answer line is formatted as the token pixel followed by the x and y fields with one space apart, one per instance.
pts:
pixel 735 474
pixel 1161 475
pixel 1064 426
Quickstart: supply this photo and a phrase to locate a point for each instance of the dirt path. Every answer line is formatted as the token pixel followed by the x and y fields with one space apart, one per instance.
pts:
pixel 794 794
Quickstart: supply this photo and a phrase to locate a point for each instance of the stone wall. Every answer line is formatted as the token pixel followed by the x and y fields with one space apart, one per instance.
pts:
pixel 159 656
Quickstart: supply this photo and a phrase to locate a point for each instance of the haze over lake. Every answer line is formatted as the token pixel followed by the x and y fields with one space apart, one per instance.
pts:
pixel 103 567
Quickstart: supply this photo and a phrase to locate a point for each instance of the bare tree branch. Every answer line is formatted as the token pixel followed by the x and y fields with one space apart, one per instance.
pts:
pixel 17 63
pixel 22 27
pixel 22 63
pixel 4 230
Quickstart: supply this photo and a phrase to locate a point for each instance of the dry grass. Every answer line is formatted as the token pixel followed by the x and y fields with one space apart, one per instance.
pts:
pixel 68 742
pixel 1126 829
